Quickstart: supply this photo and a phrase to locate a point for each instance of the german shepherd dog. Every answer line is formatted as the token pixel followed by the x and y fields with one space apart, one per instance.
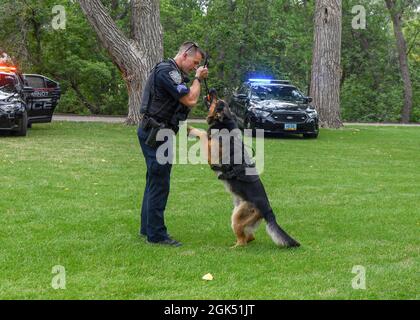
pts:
pixel 251 204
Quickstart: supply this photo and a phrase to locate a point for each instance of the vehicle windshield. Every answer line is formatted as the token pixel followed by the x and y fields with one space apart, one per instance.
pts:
pixel 7 83
pixel 281 93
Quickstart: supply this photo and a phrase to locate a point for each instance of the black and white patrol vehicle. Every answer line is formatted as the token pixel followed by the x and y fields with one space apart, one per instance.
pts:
pixel 276 106
pixel 25 99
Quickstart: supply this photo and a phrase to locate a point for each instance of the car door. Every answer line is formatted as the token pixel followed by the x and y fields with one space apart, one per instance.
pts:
pixel 43 100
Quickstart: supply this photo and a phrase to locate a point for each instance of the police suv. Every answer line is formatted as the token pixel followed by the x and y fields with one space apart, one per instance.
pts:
pixel 25 99
pixel 275 106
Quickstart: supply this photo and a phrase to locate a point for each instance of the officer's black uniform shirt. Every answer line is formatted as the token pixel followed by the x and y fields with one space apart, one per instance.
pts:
pixel 170 84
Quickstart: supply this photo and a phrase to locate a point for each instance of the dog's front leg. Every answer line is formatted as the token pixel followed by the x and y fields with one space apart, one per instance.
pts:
pixel 194 132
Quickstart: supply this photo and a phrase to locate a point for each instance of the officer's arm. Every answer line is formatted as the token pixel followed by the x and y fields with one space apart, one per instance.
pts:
pixel 191 99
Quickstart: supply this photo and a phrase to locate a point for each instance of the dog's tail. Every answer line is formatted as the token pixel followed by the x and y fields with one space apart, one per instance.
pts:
pixel 279 236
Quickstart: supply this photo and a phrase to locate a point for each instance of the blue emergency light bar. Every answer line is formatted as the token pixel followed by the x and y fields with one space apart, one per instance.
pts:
pixel 260 80
pixel 269 81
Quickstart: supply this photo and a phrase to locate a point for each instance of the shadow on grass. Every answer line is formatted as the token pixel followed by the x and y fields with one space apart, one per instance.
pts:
pixel 8 134
pixel 285 136
pixel 34 128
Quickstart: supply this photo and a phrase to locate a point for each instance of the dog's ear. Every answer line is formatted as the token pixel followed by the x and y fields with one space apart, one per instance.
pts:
pixel 210 97
pixel 212 115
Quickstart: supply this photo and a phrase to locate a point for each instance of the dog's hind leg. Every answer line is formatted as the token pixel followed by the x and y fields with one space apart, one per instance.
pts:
pixel 239 214
pixel 254 193
pixel 245 220
pixel 252 224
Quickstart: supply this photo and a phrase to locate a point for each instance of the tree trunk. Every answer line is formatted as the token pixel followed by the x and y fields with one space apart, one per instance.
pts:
pixel 134 57
pixel 146 13
pixel 396 17
pixel 37 26
pixel 326 69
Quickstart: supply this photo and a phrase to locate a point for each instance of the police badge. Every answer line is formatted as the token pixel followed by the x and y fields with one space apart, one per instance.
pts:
pixel 175 76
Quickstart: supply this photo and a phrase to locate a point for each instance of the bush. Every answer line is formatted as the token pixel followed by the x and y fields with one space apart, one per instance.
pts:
pixel 361 103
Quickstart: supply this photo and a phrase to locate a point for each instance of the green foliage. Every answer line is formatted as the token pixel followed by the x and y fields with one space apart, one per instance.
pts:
pixel 412 34
pixel 372 89
pixel 71 56
pixel 69 103
pixel 359 103
pixel 243 38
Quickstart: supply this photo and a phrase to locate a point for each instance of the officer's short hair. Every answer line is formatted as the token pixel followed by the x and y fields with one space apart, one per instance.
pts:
pixel 191 48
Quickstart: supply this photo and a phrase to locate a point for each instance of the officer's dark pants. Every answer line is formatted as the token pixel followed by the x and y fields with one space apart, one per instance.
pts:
pixel 155 193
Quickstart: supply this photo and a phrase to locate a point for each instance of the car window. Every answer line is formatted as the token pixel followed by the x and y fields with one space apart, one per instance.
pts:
pixel 35 82
pixel 7 82
pixel 282 93
pixel 51 84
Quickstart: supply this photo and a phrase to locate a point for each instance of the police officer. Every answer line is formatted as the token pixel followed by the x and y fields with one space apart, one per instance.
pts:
pixel 166 100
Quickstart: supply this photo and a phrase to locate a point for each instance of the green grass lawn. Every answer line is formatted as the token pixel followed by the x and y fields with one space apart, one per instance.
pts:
pixel 71 195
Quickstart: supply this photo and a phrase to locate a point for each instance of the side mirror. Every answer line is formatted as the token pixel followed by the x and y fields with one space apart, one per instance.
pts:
pixel 307 100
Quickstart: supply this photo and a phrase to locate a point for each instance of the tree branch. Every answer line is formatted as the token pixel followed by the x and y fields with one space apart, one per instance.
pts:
pixel 123 52
pixel 413 42
pixel 92 108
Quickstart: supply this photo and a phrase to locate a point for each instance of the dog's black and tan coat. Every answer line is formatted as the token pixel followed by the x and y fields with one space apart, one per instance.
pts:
pixel 249 196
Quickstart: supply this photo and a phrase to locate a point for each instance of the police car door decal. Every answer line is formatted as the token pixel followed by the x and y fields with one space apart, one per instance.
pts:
pixel 43 100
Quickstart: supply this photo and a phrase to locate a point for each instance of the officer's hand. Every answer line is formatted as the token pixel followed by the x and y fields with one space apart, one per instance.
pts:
pixel 202 73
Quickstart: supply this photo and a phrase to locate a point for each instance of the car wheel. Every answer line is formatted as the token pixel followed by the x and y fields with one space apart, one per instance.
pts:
pixel 23 126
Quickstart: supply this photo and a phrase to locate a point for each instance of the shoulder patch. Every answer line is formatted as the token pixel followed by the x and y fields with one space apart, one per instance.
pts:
pixel 175 76
pixel 182 89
